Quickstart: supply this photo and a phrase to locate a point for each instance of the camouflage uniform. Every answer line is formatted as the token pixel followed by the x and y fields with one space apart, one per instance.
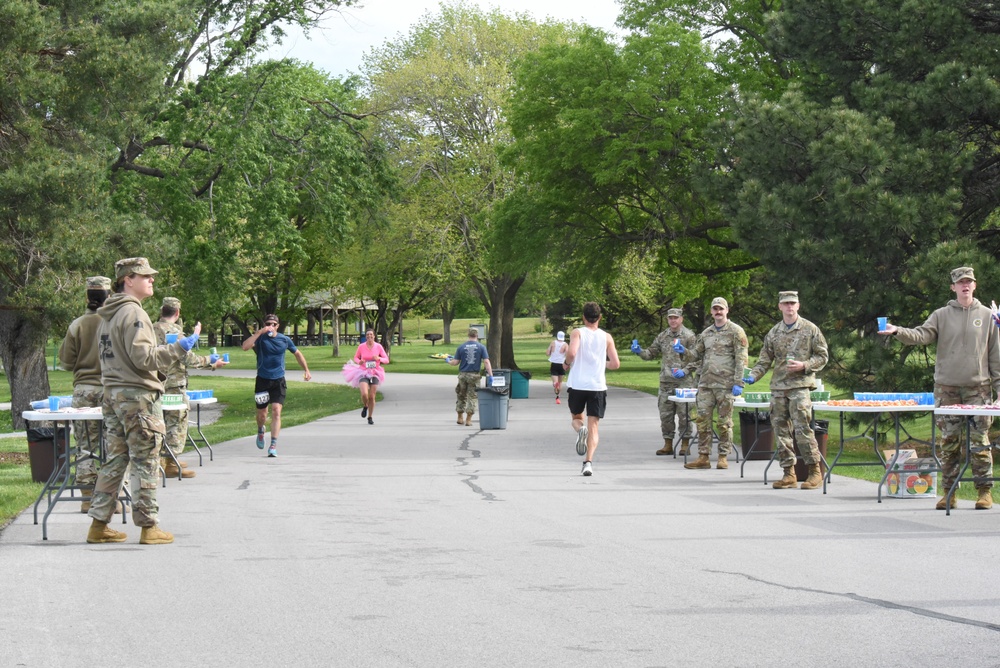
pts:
pixel 466 390
pixel 966 367
pixel 176 383
pixel 133 420
pixel 78 353
pixel 663 347
pixel 791 407
pixel 950 430
pixel 133 416
pixel 719 358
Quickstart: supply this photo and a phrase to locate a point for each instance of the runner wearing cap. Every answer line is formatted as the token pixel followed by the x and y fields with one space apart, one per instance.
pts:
pixel 557 357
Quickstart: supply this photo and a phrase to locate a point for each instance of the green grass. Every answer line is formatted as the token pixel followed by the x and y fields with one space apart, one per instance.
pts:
pixel 306 402
pixel 311 401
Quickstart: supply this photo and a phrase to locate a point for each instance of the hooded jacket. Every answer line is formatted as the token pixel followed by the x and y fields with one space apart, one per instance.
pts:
pixel 968 344
pixel 78 352
pixel 128 351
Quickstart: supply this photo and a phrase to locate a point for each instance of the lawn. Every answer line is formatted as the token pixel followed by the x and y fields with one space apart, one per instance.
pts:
pixel 316 400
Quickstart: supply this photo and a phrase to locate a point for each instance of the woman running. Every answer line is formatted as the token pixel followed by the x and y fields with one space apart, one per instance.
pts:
pixel 365 372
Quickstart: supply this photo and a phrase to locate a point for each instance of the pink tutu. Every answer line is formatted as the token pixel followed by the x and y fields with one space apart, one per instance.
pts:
pixel 353 373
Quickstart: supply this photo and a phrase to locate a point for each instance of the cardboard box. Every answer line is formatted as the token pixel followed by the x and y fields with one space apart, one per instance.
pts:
pixel 895 461
pixel 915 478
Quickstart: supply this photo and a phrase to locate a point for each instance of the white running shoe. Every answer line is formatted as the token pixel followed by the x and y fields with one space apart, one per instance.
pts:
pixel 587 469
pixel 581 441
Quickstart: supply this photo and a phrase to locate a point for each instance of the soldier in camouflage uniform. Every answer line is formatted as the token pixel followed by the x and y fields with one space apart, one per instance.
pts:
pixel 469 357
pixel 671 347
pixel 966 371
pixel 176 383
pixel 798 350
pixel 719 356
pixel 78 353
pixel 133 415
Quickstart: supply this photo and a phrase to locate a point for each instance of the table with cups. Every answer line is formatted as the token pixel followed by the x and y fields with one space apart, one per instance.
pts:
pixel 196 398
pixel 893 404
pixel 689 395
pixel 61 484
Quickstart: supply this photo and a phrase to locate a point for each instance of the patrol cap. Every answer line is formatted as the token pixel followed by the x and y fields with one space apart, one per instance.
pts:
pixel 720 301
pixel 788 296
pixel 961 273
pixel 671 312
pixel 98 283
pixel 561 336
pixel 133 265
pixel 172 302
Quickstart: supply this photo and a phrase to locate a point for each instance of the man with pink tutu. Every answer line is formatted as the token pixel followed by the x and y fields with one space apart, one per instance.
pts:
pixel 365 372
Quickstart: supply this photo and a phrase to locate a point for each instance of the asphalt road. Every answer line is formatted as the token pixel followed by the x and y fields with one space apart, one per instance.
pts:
pixel 417 542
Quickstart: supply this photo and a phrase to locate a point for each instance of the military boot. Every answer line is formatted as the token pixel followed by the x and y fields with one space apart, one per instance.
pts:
pixel 723 462
pixel 787 481
pixel 985 500
pixel 942 503
pixel 171 470
pixel 85 502
pixel 700 463
pixel 468 419
pixel 154 535
pixel 668 447
pixel 100 532
pixel 460 420
pixel 815 478
pixel 685 447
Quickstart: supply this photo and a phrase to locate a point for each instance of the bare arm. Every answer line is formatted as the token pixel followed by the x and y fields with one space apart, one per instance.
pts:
pixel 574 347
pixel 301 359
pixel 248 343
pixel 613 361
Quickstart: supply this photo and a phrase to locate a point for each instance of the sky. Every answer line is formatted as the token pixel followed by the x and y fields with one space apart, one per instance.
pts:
pixel 344 38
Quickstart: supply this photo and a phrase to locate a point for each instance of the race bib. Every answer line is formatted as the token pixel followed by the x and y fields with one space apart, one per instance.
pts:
pixel 262 397
pixel 370 365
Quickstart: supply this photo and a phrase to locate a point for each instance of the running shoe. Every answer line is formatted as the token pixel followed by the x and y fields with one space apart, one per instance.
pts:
pixel 557 400
pixel 260 440
pixel 370 421
pixel 581 441
pixel 272 451
pixel 364 412
pixel 587 469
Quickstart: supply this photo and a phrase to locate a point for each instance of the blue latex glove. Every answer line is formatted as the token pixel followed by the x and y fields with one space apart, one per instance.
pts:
pixel 749 380
pixel 212 359
pixel 678 348
pixel 678 373
pixel 636 348
pixel 737 390
pixel 187 343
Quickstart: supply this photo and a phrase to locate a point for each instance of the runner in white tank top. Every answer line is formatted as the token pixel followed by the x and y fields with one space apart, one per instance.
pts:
pixel 557 358
pixel 591 352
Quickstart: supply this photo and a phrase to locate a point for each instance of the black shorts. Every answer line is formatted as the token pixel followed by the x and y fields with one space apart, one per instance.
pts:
pixel 373 380
pixel 556 369
pixel 274 388
pixel 594 401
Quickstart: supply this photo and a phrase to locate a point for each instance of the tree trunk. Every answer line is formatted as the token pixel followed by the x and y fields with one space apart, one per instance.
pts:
pixel 22 351
pixel 507 338
pixel 447 315
pixel 335 323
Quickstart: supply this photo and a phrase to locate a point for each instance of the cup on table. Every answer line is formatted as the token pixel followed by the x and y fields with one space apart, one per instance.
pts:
pixel 882 322
pixel 171 338
pixel 53 404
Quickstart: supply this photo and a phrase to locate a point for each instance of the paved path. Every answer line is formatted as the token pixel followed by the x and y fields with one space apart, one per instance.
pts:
pixel 416 542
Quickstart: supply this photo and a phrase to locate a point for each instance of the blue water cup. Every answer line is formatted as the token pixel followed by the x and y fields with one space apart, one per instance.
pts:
pixel 53 404
pixel 171 338
pixel 225 357
pixel 882 322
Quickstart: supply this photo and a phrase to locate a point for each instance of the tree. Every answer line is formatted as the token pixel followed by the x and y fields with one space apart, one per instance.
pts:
pixel 290 172
pixel 440 93
pixel 883 176
pixel 612 140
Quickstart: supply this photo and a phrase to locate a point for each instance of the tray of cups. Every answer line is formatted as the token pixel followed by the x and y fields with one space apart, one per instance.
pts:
pixel 757 397
pixel 200 394
pixel 686 392
pixel 173 399
pixel 819 396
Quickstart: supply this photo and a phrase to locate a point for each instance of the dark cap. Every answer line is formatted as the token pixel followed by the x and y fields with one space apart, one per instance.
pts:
pixel 674 312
